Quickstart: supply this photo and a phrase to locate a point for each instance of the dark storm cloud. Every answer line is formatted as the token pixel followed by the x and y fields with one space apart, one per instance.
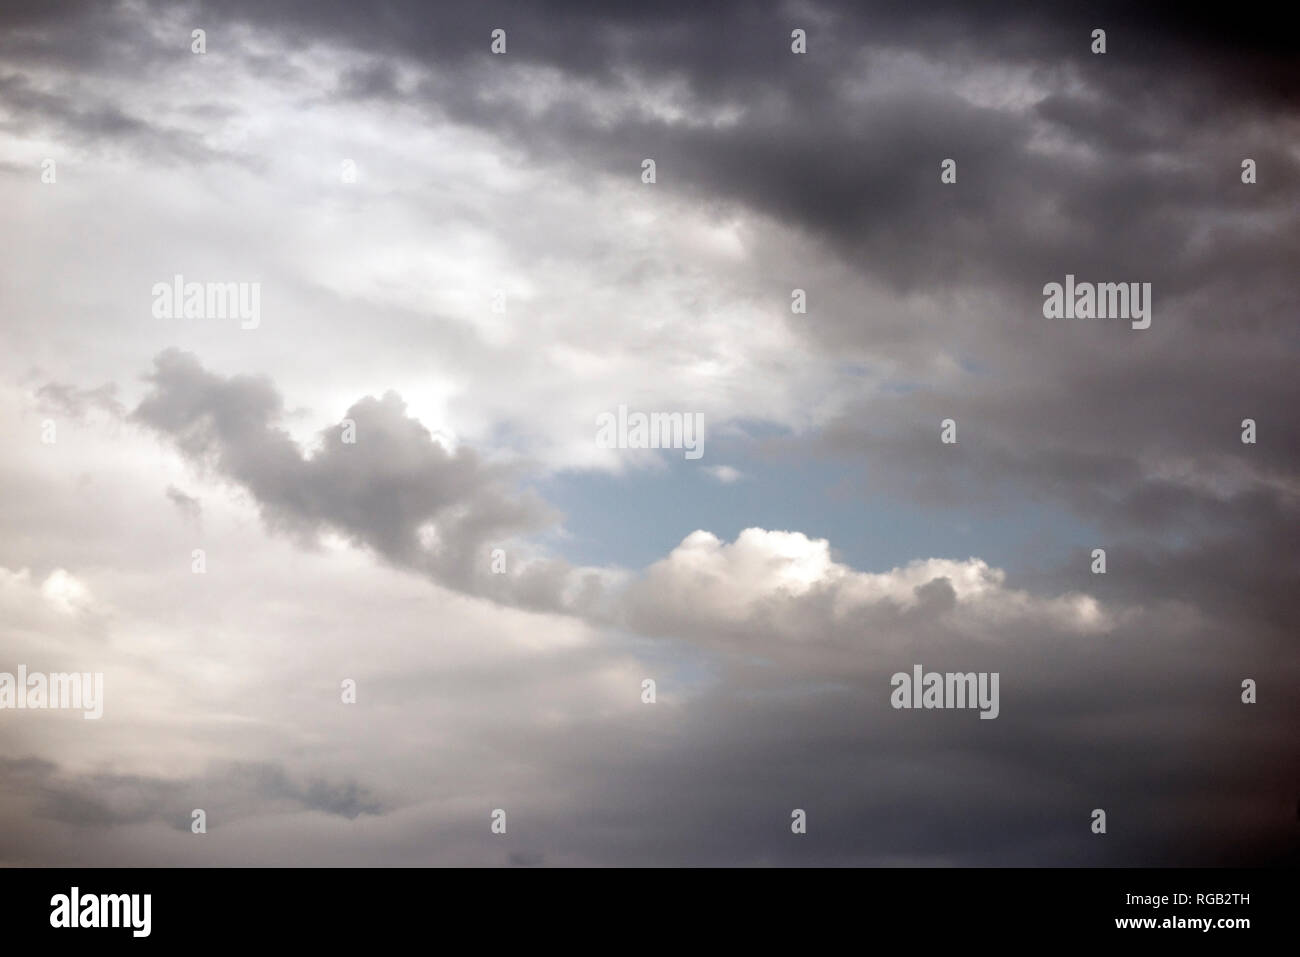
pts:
pixel 381 491
pixel 718 44
pixel 863 171
pixel 1176 84
pixel 883 786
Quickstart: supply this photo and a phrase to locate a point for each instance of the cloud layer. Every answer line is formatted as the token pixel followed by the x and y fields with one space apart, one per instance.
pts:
pixel 494 277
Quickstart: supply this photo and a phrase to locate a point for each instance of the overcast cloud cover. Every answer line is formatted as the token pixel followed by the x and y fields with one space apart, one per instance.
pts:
pixel 825 540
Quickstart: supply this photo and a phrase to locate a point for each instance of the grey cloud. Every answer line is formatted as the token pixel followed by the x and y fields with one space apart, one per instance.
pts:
pixel 1088 445
pixel 789 707
pixel 1143 723
pixel 78 119
pixel 372 81
pixel 76 403
pixel 717 43
pixel 380 491
pixel 226 793
pixel 873 187
pixel 191 507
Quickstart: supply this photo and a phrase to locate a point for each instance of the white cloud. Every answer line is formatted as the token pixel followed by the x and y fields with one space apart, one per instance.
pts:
pixel 772 575
pixel 65 592
pixel 724 473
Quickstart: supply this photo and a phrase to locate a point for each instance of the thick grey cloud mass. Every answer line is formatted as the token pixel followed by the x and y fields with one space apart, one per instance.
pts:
pixel 771 652
pixel 397 482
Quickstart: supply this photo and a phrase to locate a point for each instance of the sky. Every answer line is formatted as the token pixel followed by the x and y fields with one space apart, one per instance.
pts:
pixel 389 477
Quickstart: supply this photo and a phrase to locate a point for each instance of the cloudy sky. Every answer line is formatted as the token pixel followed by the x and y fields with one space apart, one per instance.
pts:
pixel 461 267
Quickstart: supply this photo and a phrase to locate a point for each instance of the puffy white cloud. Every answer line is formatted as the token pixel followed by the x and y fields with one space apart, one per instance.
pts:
pixel 789 581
